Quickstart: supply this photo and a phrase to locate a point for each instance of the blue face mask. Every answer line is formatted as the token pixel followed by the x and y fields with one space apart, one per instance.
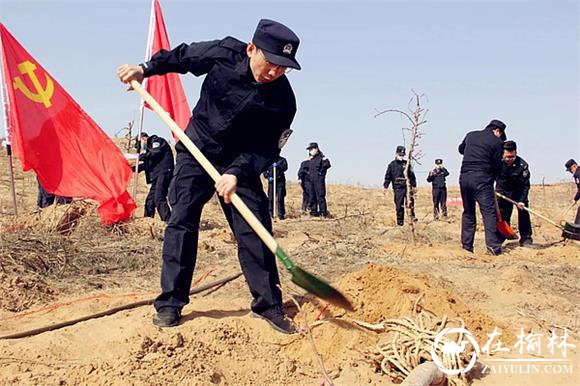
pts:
pixel 145 148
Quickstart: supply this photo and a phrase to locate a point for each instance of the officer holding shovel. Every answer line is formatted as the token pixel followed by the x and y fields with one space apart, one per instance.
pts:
pixel 240 123
pixel 572 167
pixel 514 182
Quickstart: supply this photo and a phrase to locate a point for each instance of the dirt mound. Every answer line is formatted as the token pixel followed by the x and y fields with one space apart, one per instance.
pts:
pixel 18 293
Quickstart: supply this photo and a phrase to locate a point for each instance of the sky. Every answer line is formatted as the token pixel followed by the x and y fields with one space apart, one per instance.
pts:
pixel 473 60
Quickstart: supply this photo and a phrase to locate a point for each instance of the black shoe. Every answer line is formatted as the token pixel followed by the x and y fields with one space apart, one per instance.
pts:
pixel 526 243
pixel 281 217
pixel 167 317
pixel 400 224
pixel 494 251
pixel 277 319
pixel 314 214
pixel 468 249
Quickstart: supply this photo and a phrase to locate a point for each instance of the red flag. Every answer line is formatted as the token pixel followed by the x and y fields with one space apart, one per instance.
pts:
pixel 166 89
pixel 52 135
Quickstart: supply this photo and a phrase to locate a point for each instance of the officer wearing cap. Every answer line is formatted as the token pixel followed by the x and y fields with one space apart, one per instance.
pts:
pixel 276 172
pixel 316 169
pixel 514 182
pixel 395 174
pixel 158 163
pixel 437 178
pixel 572 167
pixel 482 152
pixel 240 122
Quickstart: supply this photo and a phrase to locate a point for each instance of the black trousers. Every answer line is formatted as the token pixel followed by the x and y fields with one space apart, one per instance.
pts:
pixel 440 201
pixel 190 189
pixel 478 187
pixel 157 197
pixel 305 195
pixel 400 195
pixel 280 196
pixel 577 220
pixel 317 195
pixel 524 223
pixel 45 199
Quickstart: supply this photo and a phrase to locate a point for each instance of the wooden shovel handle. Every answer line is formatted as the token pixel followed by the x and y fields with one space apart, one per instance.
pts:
pixel 530 210
pixel 256 225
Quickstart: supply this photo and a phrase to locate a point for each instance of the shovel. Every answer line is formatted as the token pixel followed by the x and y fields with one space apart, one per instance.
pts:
pixel 502 226
pixel 300 277
pixel 571 231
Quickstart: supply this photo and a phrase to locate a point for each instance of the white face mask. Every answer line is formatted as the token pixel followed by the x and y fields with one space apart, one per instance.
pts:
pixel 312 152
pixel 399 157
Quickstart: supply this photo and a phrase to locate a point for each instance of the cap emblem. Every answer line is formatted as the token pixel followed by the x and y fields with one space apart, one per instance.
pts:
pixel 287 49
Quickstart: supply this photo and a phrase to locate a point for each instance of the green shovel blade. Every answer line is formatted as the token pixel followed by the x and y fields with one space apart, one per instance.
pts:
pixel 313 284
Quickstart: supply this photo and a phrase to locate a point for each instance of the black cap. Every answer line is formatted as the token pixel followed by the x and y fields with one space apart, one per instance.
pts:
pixel 569 163
pixel 401 150
pixel 438 161
pixel 313 145
pixel 497 124
pixel 278 43
pixel 510 145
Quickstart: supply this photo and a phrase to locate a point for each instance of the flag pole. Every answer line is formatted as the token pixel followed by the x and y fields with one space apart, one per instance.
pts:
pixel 8 146
pixel 142 102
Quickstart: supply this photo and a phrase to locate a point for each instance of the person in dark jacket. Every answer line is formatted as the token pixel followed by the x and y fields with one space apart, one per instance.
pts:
pixel 437 178
pixel 45 199
pixel 240 122
pixel 276 172
pixel 482 152
pixel 317 167
pixel 572 167
pixel 514 182
pixel 158 163
pixel 304 184
pixel 395 174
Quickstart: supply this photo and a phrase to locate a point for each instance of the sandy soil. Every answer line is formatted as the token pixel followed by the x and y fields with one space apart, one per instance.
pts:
pixel 47 278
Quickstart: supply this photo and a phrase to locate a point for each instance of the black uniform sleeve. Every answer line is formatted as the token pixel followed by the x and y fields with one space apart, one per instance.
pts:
pixel 412 177
pixel 388 178
pixel 282 164
pixel 461 147
pixel 325 165
pixel 577 180
pixel 445 172
pixel 431 176
pixel 197 58
pixel 302 170
pixel 525 181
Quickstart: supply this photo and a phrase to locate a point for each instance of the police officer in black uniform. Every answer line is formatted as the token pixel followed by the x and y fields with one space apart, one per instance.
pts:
pixel 514 182
pixel 396 174
pixel 573 168
pixel 281 165
pixel 246 107
pixel 482 152
pixel 437 179
pixel 304 184
pixel 317 166
pixel 158 164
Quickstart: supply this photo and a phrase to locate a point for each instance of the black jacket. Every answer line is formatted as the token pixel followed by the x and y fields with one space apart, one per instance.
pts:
pixel 237 123
pixel 158 158
pixel 514 181
pixel 482 152
pixel 396 174
pixel 577 181
pixel 317 167
pixel 437 177
pixel 281 167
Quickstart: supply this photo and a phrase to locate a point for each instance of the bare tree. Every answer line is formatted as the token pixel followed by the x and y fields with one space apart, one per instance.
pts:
pixel 416 117
pixel 128 136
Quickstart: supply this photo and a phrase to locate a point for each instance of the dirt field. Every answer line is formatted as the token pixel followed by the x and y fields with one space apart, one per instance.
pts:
pixel 47 277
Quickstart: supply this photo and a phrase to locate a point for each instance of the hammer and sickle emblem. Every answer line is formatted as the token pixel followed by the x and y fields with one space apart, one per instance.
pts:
pixel 42 95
